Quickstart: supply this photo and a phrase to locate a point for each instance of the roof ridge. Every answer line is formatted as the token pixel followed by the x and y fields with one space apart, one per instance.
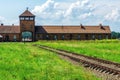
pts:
pixel 27 13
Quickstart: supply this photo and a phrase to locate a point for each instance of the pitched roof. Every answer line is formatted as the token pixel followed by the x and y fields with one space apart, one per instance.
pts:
pixel 72 29
pixel 26 13
pixel 9 29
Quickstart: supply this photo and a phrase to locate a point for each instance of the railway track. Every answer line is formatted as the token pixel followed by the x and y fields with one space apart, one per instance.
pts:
pixel 100 65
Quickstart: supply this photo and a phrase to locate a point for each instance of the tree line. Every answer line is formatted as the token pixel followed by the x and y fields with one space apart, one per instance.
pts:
pixel 115 35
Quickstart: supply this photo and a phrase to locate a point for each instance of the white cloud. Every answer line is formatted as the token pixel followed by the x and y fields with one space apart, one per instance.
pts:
pixel 60 10
pixel 5 21
pixel 90 12
pixel 77 8
pixel 84 2
pixel 114 15
pixel 62 5
pixel 70 9
pixel 43 8
pixel 83 16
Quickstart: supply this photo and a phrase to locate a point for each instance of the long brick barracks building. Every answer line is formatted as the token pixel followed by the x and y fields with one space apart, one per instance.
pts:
pixel 27 31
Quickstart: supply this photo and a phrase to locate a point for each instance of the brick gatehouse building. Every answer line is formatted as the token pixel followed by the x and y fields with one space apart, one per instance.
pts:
pixel 28 31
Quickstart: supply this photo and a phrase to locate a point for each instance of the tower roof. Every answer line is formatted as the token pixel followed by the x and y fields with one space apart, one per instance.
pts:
pixel 27 13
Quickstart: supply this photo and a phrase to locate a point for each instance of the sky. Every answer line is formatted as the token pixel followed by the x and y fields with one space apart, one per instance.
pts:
pixel 63 12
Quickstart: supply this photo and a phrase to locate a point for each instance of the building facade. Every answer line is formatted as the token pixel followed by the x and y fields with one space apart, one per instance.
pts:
pixel 28 31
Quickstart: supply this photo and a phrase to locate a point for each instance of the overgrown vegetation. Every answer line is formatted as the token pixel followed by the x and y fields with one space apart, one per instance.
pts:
pixel 104 49
pixel 20 61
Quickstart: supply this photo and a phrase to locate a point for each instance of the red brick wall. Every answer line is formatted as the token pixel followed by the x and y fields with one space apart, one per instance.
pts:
pixel 27 25
pixel 11 36
pixel 73 37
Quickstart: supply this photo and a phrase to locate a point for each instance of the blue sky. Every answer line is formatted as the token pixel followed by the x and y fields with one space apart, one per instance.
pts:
pixel 63 12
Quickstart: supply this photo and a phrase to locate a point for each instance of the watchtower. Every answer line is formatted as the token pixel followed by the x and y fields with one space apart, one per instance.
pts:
pixel 27 26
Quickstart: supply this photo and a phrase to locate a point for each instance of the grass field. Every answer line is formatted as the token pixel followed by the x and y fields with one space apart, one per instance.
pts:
pixel 20 61
pixel 104 49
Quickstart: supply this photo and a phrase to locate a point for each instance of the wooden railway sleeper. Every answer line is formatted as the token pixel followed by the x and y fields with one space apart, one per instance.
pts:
pixel 97 67
pixel 103 71
pixel 110 72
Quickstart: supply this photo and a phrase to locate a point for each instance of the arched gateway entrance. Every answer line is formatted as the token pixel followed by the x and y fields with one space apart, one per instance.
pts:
pixel 27 36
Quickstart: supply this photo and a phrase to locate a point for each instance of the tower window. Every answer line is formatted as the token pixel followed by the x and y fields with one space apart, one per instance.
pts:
pixel 31 18
pixel 22 18
pixel 27 18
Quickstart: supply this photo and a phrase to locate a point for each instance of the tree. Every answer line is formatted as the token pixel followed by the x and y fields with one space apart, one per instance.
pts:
pixel 115 35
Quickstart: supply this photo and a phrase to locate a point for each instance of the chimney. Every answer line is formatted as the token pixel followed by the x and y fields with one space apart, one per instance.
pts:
pixel 12 24
pixel 2 24
pixel 101 26
pixel 82 26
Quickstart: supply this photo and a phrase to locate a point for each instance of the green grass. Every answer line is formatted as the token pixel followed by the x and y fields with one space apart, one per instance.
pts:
pixel 20 61
pixel 104 49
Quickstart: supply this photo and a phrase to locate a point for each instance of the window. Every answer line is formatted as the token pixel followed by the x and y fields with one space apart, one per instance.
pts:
pixel 47 37
pixel 93 37
pixel 14 37
pixel 100 37
pixel 63 37
pixel 86 36
pixel 106 36
pixel 55 37
pixel 31 18
pixel 71 36
pixel 78 37
pixel 7 38
pixel 21 18
pixel 27 18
